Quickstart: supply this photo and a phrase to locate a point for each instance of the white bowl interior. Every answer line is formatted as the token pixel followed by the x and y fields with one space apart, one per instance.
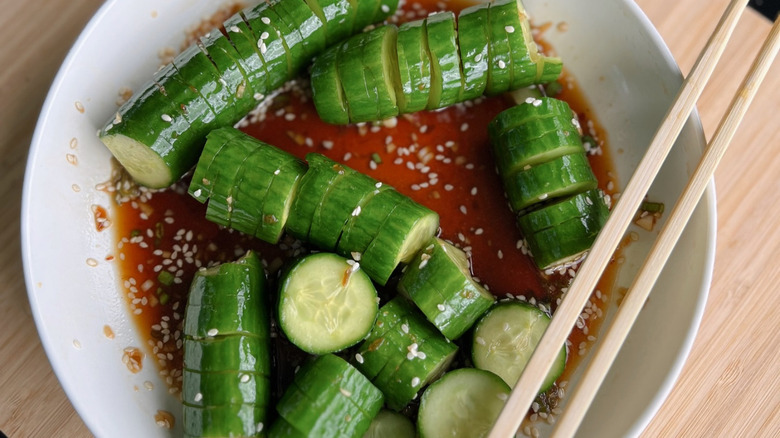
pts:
pixel 629 77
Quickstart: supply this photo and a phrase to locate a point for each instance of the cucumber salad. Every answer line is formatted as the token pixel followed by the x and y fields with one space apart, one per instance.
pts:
pixel 356 217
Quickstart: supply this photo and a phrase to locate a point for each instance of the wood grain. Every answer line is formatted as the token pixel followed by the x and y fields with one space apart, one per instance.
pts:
pixel 729 386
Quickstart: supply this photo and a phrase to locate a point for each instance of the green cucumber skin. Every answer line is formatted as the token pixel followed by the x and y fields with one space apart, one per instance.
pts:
pixel 567 239
pixel 499 75
pixel 535 142
pixel 474 396
pixel 199 72
pixel 414 67
pixel 207 389
pixel 263 22
pixel 360 89
pixel 282 429
pixel 225 58
pixel 211 312
pixel 327 91
pixel 222 173
pixel 337 17
pixel 323 413
pixel 562 176
pixel 446 78
pixel 220 421
pixel 204 177
pixel 249 57
pixel 309 193
pixel 338 207
pixel 383 254
pixel 310 27
pixel 232 353
pixel 225 386
pixel 531 109
pixel 384 353
pixel 360 230
pixel 445 293
pixel 473 42
pixel 590 202
pixel 278 199
pixel 523 69
pixel 496 331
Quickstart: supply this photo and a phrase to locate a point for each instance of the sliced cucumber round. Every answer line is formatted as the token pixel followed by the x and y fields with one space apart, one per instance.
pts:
pixel 588 203
pixel 568 240
pixel 389 424
pixel 506 337
pixel 463 403
pixel 414 66
pixel 473 43
pixel 326 303
pixel 530 109
pixel 446 76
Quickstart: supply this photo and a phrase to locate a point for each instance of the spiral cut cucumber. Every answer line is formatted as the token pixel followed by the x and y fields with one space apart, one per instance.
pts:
pixel 429 63
pixel 328 397
pixel 226 387
pixel 263 191
pixel 158 134
pixel 548 180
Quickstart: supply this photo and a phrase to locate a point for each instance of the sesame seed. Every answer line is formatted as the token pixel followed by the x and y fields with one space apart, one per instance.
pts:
pixel 345 392
pixel 359 357
pixel 448 187
pixel 266 20
pixel 509 29
pixel 198 397
pixel 441 307
pixel 415 381
pixel 463 209
pixel 212 332
pixel 166 118
pixel 501 64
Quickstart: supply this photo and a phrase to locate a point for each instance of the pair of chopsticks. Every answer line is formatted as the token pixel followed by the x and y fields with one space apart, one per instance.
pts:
pixel 565 317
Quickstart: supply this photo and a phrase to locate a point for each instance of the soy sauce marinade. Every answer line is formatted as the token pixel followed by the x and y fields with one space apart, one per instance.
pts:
pixel 440 159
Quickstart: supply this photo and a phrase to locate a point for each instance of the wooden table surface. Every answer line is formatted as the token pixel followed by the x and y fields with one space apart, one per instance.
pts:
pixel 730 386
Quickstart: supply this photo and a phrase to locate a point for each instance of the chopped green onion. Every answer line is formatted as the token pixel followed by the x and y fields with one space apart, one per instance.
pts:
pixel 652 207
pixel 376 158
pixel 165 278
pixel 553 88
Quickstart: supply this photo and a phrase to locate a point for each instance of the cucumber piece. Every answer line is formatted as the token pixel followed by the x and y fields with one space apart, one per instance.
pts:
pixel 535 142
pixel 568 240
pixel 224 388
pixel 473 43
pixel 282 429
pixel 438 280
pixel 446 76
pixel 363 227
pixel 225 385
pixel 389 317
pixel 339 205
pixel 270 43
pixel 225 300
pixel 367 67
pixel 407 228
pixel 510 16
pixel 298 15
pixel 506 337
pixel 247 354
pixel 414 66
pixel 588 203
pixel 499 76
pixel 136 139
pixel 222 173
pixel 562 176
pixel 245 420
pixel 313 186
pixel 550 70
pixel 532 108
pixel 471 399
pixel 204 177
pixel 326 304
pixel 225 58
pixel 327 91
pixel 199 72
pixel 337 17
pixel 389 424
pixel 249 58
pixel 291 38
pixel 344 407
pixel 359 92
pixel 279 198
pixel 405 354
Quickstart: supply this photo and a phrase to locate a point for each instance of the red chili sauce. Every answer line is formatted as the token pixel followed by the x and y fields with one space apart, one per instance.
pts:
pixel 440 159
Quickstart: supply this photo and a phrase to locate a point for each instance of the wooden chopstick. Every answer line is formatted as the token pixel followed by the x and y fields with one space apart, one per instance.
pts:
pixel 610 343
pixel 564 318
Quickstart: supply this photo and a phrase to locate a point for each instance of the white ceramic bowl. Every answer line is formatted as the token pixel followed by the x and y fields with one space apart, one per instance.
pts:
pixel 619 60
